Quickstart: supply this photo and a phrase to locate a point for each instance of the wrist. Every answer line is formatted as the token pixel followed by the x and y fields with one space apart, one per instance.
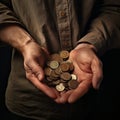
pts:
pixel 27 41
pixel 15 35
pixel 86 45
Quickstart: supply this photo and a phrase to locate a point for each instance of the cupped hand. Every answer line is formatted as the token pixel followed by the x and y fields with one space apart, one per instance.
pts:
pixel 34 60
pixel 88 68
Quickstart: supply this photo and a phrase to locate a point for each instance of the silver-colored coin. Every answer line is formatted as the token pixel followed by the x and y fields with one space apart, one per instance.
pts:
pixel 60 87
pixel 54 64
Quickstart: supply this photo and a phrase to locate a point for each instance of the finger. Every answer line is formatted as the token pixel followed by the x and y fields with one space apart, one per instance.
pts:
pixel 79 91
pixel 39 73
pixel 97 69
pixel 48 91
pixel 63 97
pixel 35 69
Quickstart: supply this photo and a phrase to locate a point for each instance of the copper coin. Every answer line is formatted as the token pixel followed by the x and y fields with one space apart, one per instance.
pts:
pixel 53 74
pixel 58 71
pixel 73 84
pixel 65 76
pixel 56 57
pixel 56 82
pixel 64 67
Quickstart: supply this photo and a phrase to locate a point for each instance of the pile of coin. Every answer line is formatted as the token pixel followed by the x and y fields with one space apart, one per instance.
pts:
pixel 59 72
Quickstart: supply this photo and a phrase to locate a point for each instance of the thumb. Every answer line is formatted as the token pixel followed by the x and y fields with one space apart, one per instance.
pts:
pixel 97 75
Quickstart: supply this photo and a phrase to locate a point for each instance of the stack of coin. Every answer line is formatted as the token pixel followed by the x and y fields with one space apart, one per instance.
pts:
pixel 59 72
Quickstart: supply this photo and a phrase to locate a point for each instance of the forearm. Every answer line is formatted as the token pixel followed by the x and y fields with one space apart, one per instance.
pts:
pixel 104 30
pixel 15 35
pixel 11 31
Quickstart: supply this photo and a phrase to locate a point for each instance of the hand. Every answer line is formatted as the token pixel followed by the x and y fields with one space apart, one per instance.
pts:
pixel 88 69
pixel 34 60
pixel 34 55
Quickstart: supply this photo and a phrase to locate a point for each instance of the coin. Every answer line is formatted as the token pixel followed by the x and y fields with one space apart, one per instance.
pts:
pixel 56 82
pixel 65 76
pixel 64 54
pixel 54 64
pixel 73 84
pixel 56 57
pixel 53 74
pixel 59 72
pixel 64 66
pixel 74 77
pixel 60 87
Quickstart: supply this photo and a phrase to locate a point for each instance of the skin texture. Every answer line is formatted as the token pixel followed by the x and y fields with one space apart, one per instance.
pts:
pixel 88 66
pixel 88 69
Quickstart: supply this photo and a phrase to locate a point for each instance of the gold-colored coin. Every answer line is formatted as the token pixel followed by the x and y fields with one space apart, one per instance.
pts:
pixel 54 64
pixel 64 54
pixel 59 72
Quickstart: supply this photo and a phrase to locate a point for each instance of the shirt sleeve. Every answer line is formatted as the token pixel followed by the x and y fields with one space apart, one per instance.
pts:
pixel 7 16
pixel 104 30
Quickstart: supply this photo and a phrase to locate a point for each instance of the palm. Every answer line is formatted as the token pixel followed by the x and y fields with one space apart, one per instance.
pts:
pixel 88 69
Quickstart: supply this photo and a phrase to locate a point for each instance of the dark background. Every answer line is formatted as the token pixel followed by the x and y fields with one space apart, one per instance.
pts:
pixel 108 97
pixel 5 56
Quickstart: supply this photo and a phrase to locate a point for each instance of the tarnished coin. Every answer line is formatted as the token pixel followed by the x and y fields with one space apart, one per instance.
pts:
pixel 65 76
pixel 60 87
pixel 64 67
pixel 56 82
pixel 53 74
pixel 64 54
pixel 73 84
pixel 54 64
pixel 58 71
pixel 49 79
pixel 56 57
